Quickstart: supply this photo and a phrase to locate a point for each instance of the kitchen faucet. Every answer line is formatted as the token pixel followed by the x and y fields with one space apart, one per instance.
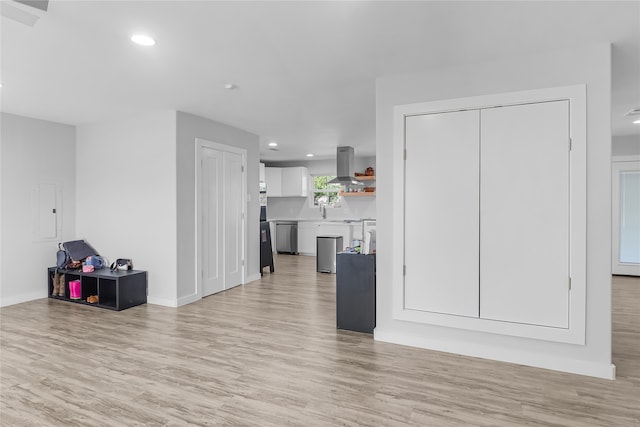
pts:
pixel 323 211
pixel 322 204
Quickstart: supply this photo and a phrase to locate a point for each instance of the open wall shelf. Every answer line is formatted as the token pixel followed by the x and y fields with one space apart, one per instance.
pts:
pixel 368 179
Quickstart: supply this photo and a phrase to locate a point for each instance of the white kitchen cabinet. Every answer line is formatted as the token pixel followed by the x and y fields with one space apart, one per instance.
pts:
pixel 356 230
pixel 262 173
pixel 287 182
pixel 307 233
pixel 273 178
pixel 295 182
pixel 337 229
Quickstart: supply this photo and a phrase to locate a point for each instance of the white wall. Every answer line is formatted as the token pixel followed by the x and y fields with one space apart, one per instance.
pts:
pixel 190 127
pixel 126 203
pixel 32 151
pixel 628 145
pixel 589 65
pixel 300 208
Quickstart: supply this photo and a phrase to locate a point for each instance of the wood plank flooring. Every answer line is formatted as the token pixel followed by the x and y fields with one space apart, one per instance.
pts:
pixel 268 354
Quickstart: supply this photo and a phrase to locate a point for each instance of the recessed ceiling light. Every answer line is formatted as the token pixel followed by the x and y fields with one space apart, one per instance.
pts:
pixel 637 122
pixel 142 40
pixel 309 155
pixel 230 86
pixel 273 144
pixel 0 84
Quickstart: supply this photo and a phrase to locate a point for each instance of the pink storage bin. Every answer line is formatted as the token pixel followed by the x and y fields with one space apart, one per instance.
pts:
pixel 74 289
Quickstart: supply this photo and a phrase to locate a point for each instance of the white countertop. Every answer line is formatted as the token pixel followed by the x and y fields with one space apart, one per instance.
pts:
pixel 332 221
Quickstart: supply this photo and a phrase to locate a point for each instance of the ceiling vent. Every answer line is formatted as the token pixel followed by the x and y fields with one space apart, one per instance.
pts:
pixel 38 4
pixel 26 12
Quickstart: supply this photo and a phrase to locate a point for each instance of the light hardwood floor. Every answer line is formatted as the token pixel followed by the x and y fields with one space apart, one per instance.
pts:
pixel 268 354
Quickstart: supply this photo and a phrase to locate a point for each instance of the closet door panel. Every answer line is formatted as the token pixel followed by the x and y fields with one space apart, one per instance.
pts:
pixel 441 213
pixel 524 214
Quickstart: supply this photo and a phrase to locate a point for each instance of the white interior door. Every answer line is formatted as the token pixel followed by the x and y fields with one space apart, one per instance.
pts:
pixel 626 218
pixel 222 217
pixel 441 213
pixel 213 278
pixel 233 219
pixel 524 214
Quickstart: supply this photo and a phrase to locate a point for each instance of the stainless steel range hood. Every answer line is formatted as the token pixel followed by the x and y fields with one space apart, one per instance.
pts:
pixel 344 168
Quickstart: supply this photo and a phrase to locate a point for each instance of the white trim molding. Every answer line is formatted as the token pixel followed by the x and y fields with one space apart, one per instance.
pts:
pixel 251 278
pixel 162 301
pixel 538 360
pixel 19 299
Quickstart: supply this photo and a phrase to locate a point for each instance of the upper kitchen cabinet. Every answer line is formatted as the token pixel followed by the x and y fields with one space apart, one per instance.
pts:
pixel 262 173
pixel 295 182
pixel 273 178
pixel 287 182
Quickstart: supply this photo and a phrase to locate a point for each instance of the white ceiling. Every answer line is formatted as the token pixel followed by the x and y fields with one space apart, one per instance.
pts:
pixel 305 71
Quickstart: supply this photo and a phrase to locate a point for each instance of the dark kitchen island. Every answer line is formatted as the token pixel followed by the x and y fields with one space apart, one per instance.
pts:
pixel 356 292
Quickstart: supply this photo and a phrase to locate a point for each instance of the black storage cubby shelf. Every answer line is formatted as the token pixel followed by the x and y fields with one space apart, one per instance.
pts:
pixel 116 290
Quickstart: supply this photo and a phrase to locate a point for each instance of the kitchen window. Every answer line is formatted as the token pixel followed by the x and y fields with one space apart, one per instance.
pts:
pixel 325 193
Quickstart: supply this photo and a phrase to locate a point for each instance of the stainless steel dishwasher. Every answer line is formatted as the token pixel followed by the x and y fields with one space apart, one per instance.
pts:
pixel 287 237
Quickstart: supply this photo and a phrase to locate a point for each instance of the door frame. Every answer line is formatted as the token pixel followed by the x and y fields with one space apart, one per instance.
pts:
pixel 199 145
pixel 619 164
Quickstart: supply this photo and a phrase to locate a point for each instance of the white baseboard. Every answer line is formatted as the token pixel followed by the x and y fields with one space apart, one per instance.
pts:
pixel 18 299
pixel 188 299
pixel 573 366
pixel 162 301
pixel 252 278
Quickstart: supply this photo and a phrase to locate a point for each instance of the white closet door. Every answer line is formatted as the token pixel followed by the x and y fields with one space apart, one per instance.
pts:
pixel 233 219
pixel 524 214
pixel 441 213
pixel 213 278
